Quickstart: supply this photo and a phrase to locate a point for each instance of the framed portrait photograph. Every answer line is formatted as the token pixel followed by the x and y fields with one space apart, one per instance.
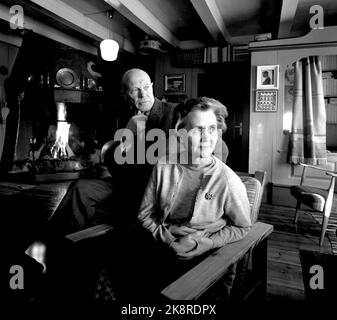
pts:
pixel 266 100
pixel 174 82
pixel 267 77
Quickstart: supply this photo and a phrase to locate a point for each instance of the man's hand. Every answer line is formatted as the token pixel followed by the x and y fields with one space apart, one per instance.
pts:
pixel 137 120
pixel 204 245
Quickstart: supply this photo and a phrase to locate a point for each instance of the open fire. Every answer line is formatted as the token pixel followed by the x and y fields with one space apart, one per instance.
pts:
pixel 68 150
pixel 61 148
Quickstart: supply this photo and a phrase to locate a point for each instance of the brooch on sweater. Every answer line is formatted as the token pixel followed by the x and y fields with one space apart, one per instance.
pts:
pixel 209 196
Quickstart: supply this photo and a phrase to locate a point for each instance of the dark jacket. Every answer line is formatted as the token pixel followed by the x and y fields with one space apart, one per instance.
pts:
pixel 160 116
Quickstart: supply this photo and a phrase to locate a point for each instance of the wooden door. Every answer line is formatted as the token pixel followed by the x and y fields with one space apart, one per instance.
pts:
pixel 230 83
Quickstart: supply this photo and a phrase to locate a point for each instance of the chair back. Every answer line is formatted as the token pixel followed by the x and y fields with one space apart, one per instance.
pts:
pixel 255 185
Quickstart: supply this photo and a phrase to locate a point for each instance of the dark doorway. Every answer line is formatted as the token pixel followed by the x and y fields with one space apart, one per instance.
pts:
pixel 230 84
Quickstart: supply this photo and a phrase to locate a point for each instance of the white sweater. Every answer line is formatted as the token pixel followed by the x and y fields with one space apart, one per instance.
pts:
pixel 221 210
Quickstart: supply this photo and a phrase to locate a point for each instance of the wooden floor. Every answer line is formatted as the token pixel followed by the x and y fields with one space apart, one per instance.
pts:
pixel 284 268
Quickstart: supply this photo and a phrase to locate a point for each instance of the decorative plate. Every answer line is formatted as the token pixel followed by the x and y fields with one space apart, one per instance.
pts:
pixel 67 78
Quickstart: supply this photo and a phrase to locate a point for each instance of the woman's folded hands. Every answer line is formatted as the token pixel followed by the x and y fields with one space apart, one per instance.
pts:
pixel 191 243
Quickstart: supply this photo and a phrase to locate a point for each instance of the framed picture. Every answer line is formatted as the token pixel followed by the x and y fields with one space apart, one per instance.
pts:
pixel 266 100
pixel 267 77
pixel 174 82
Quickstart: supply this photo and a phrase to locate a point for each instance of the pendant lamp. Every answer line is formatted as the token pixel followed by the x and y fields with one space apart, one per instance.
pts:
pixel 109 47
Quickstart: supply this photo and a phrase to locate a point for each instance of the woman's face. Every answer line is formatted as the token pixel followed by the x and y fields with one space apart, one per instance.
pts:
pixel 202 133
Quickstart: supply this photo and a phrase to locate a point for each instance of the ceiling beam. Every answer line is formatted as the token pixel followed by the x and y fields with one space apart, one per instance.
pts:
pixel 49 32
pixel 11 39
pixel 191 44
pixel 288 12
pixel 78 21
pixel 144 19
pixel 212 18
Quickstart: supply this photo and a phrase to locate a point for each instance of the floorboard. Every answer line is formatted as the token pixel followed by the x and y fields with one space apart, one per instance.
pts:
pixel 284 273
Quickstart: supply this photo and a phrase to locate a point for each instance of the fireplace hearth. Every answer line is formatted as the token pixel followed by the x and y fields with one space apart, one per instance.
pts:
pixel 50 169
pixel 64 153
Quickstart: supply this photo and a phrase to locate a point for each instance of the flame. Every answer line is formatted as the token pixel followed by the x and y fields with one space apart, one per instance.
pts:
pixel 61 147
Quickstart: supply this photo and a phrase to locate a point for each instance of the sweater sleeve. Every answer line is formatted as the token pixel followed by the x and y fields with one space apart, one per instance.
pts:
pixel 150 215
pixel 236 213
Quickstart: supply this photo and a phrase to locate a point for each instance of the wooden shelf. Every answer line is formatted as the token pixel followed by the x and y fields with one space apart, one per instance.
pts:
pixel 77 96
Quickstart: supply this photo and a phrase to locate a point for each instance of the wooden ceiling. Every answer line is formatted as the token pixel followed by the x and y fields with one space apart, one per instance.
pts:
pixel 180 24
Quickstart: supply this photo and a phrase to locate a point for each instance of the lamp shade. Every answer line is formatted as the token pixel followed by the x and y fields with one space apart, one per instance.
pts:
pixel 109 49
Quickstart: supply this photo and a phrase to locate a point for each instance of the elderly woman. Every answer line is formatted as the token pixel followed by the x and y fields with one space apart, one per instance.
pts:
pixel 193 203
pixel 190 206
pixel 198 203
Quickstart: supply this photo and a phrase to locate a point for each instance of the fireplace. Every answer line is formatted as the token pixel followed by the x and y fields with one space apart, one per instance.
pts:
pixel 64 146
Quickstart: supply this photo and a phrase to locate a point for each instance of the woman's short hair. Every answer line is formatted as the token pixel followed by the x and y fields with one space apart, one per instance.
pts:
pixel 203 104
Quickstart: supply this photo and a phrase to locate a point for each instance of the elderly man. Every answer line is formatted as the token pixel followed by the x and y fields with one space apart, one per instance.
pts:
pixel 124 189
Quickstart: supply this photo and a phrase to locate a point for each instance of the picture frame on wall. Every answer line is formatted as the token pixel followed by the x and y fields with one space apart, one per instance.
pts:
pixel 174 83
pixel 267 77
pixel 266 101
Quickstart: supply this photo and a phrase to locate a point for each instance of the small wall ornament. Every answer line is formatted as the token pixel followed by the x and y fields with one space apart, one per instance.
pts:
pixel 266 100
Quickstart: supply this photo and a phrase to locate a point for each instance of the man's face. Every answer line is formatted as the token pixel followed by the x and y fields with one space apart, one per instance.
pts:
pixel 139 91
pixel 202 132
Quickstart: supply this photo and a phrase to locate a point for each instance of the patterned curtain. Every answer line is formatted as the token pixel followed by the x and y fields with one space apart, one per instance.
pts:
pixel 308 133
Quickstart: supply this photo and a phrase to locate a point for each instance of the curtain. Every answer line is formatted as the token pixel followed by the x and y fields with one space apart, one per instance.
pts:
pixel 308 132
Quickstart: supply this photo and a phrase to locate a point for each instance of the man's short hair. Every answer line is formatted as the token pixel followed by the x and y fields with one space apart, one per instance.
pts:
pixel 203 104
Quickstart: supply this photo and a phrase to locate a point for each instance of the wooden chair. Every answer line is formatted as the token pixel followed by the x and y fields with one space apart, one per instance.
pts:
pixel 206 274
pixel 317 199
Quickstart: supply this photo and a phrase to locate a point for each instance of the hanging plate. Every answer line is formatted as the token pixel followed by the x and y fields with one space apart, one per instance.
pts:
pixel 67 78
